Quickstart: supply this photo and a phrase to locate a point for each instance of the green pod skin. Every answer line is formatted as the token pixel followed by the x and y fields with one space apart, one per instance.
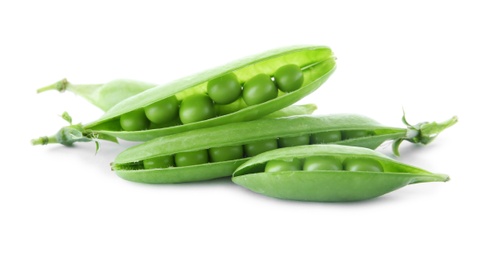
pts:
pixel 103 96
pixel 316 62
pixel 127 163
pixel 329 185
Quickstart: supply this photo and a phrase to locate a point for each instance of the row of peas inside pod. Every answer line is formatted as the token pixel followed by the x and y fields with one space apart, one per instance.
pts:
pixel 227 153
pixel 225 95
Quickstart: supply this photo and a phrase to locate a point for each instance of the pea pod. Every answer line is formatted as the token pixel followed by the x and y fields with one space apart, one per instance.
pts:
pixel 363 174
pixel 103 96
pixel 315 65
pixel 253 137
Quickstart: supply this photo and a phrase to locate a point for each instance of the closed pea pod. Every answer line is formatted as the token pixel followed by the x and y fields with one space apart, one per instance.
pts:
pixel 368 174
pixel 316 64
pixel 225 144
pixel 104 96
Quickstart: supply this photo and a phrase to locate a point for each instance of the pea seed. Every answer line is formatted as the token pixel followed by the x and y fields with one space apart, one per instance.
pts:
pixel 163 111
pixel 191 158
pixel 289 78
pixel 159 162
pixel 134 121
pixel 322 163
pixel 293 141
pixel 225 89
pixel 227 153
pixel 351 134
pixel 196 108
pixel 258 147
pixel 283 165
pixel 362 164
pixel 259 89
pixel 326 137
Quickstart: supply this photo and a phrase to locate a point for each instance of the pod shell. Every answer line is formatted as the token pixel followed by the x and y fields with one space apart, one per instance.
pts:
pixel 239 134
pixel 319 57
pixel 328 186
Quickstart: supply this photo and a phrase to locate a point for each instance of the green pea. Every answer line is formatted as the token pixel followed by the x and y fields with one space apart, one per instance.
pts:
pixel 191 158
pixel 226 153
pixel 293 141
pixel 174 122
pixel 196 108
pixel 362 165
pixel 259 89
pixel 229 108
pixel 351 134
pixel 159 162
pixel 322 163
pixel 134 121
pixel 225 89
pixel 163 110
pixel 289 78
pixel 326 137
pixel 258 147
pixel 283 165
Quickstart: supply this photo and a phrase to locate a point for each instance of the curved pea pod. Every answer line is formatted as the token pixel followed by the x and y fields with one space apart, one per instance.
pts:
pixel 103 96
pixel 315 64
pixel 346 183
pixel 129 164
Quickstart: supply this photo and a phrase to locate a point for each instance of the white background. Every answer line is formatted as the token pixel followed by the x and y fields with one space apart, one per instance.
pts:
pixel 434 58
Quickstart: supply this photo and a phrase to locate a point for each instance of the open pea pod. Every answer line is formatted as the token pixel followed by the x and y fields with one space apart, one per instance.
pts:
pixel 216 152
pixel 332 173
pixel 258 85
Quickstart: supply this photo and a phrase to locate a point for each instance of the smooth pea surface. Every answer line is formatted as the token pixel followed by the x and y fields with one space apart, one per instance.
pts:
pixel 294 141
pixel 196 108
pixel 258 147
pixel 259 89
pixel 191 158
pixel 159 162
pixel 163 110
pixel 322 163
pixel 289 78
pixel 227 153
pixel 326 137
pixel 362 165
pixel 351 134
pixel 283 165
pixel 225 89
pixel 134 121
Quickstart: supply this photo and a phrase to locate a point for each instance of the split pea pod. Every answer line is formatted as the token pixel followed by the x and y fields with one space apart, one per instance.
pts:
pixel 244 90
pixel 333 173
pixel 216 152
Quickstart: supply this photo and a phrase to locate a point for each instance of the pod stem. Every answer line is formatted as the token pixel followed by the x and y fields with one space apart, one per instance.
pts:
pixel 44 140
pixel 66 136
pixel 60 86
pixel 422 133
